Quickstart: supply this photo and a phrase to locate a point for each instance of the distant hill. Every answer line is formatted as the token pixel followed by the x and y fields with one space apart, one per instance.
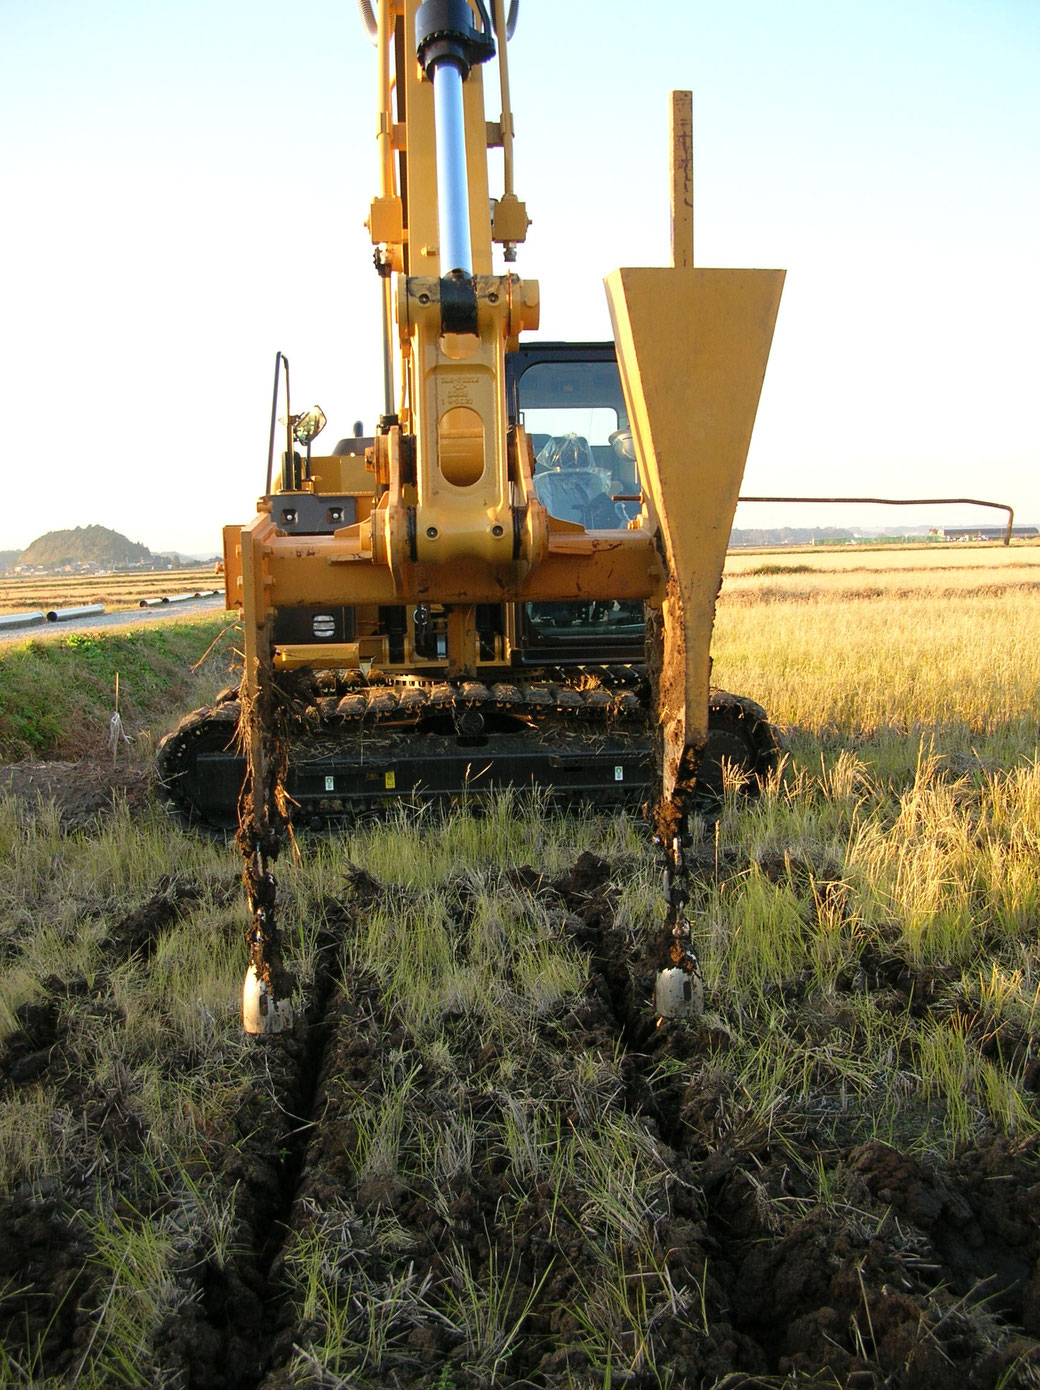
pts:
pixel 86 545
pixel 8 558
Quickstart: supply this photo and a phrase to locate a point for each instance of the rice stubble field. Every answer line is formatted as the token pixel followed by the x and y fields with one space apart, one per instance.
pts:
pixel 477 1161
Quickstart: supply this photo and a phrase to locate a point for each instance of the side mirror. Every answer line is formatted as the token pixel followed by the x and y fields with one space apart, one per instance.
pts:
pixel 308 427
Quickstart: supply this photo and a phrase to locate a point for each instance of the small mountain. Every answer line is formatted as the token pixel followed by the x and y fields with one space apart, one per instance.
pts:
pixel 85 545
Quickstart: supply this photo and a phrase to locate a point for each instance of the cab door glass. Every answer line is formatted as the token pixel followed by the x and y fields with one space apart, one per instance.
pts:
pixel 585 472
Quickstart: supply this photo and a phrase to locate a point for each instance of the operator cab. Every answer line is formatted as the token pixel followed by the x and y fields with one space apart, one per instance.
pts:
pixel 568 398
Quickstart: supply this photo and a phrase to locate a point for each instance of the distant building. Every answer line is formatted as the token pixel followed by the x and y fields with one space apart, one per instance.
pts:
pixel 988 533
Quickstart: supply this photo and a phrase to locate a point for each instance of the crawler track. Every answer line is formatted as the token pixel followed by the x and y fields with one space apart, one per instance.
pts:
pixel 357 746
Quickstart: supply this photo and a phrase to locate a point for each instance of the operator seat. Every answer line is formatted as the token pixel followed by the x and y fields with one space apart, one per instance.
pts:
pixel 571 487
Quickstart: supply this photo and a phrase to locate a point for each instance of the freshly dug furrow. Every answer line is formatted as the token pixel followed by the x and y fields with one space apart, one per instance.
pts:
pixel 221 1336
pixel 204 1214
pixel 216 1337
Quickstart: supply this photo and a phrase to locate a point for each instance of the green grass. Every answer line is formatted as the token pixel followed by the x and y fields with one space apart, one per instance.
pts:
pixel 779 569
pixel 57 697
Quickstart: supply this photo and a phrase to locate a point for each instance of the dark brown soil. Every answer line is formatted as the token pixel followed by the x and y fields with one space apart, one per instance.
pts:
pixel 909 1275
pixel 81 791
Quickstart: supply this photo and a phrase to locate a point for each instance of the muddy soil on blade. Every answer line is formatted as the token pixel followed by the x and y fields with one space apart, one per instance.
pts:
pixel 551 1193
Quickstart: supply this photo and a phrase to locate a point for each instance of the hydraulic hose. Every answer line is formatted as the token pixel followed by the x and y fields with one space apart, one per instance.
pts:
pixel 514 5
pixel 368 19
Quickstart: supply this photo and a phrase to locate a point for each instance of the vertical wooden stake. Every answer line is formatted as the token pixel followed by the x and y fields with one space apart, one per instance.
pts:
pixel 682 180
pixel 115 726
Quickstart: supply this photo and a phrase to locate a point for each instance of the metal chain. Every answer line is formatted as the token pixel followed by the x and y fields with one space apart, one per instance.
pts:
pixel 679 991
pixel 681 951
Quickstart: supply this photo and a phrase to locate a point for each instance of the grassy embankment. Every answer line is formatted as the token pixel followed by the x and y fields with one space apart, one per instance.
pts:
pixel 57 696
pixel 903 834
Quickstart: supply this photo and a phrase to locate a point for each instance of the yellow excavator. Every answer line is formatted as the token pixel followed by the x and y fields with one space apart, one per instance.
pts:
pixel 513 579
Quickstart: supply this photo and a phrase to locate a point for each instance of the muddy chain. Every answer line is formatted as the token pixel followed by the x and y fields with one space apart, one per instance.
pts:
pixel 679 991
pixel 262 932
pixel 263 827
pixel 677 895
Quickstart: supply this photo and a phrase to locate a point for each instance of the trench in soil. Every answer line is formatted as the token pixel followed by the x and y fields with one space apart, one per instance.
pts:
pixel 713 1262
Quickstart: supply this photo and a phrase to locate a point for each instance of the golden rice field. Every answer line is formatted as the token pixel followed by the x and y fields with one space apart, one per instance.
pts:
pixel 875 660
pixel 23 593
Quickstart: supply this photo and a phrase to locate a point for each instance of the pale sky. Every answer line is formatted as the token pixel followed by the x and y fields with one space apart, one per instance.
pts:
pixel 184 188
